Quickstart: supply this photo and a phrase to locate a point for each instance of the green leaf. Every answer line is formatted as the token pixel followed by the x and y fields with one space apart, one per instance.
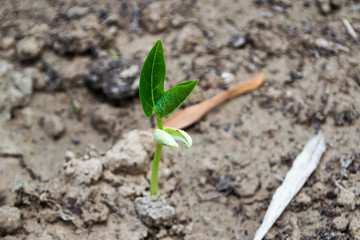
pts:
pixel 179 135
pixel 163 138
pixel 174 97
pixel 152 76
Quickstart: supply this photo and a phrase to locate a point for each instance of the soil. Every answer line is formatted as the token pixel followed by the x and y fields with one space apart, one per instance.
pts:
pixel 54 150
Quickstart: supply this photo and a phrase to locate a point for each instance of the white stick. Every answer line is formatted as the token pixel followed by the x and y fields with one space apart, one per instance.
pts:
pixel 350 29
pixel 305 163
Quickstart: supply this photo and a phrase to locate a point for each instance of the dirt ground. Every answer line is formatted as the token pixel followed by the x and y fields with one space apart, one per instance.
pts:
pixel 76 149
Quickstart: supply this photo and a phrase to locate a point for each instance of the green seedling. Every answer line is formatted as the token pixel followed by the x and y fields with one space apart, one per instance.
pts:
pixel 154 99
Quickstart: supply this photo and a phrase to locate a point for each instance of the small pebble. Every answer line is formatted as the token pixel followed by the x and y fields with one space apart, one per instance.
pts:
pixel 154 211
pixel 238 42
pixel 346 198
pixel 225 184
pixel 303 199
pixel 354 227
pixel 10 220
pixel 340 223
pixel 28 49
pixel 52 126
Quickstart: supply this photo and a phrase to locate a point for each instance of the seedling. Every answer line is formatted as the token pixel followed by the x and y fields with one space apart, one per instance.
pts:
pixel 154 99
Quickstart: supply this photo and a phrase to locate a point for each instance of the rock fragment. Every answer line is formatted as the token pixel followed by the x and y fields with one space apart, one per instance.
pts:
pixel 156 17
pixel 346 198
pixel 7 43
pixel 85 35
pixel 267 41
pixel 131 154
pixel 154 211
pixel 354 227
pixel 225 184
pixel 303 199
pixel 97 213
pixel 340 223
pixel 10 220
pixel 28 49
pixel 247 187
pixel 188 38
pixel 53 126
pixel 76 12
pixel 102 121
pixel 238 42
pixel 15 90
pixel 115 78
pixel 83 171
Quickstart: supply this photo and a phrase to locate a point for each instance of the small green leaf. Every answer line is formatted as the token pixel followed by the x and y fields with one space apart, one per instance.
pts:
pixel 152 76
pixel 174 97
pixel 163 138
pixel 179 135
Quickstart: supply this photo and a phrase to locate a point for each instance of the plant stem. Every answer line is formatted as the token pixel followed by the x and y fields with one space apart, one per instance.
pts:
pixel 156 162
pixel 155 170
pixel 159 121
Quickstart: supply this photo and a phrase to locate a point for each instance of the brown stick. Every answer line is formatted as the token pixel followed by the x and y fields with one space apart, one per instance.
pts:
pixel 190 115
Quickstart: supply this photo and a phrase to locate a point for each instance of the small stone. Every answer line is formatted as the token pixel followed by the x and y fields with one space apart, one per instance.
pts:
pixel 155 17
pixel 267 41
pixel 10 220
pixel 52 126
pixel 83 171
pixel 7 42
pixel 188 38
pixel 354 227
pixel 250 68
pixel 331 195
pixel 208 165
pixel 73 72
pixel 178 21
pixel 75 140
pixel 117 78
pixel 96 213
pixel 228 77
pixel 323 43
pixel 15 90
pixel 165 173
pixel 238 42
pixel 202 180
pixel 177 230
pixel 346 198
pixel 28 49
pixel 37 77
pixel 324 6
pixel 303 199
pixel 113 19
pixel 335 4
pixel 225 184
pixel 154 211
pixel 102 121
pixel 162 234
pixel 247 187
pixel 86 35
pixel 131 154
pixel 76 12
pixel 340 223
pixel 294 75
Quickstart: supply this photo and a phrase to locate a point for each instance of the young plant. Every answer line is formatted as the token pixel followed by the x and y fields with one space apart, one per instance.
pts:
pixel 154 99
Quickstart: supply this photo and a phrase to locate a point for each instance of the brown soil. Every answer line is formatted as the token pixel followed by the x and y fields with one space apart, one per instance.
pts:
pixel 221 187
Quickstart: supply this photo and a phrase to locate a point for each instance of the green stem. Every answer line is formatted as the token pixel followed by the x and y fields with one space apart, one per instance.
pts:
pixel 159 121
pixel 156 162
pixel 155 170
